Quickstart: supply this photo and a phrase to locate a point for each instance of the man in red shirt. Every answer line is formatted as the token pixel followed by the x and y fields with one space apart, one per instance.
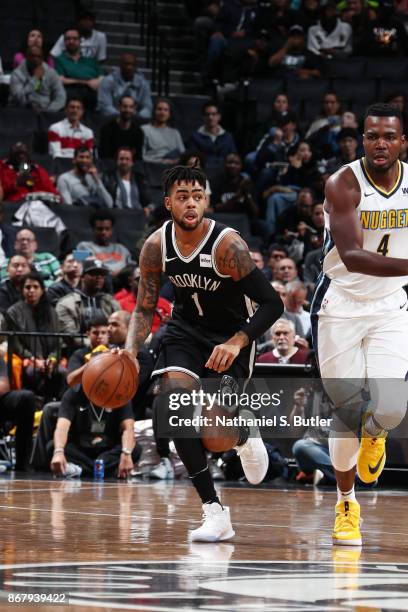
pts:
pixel 285 351
pixel 127 301
pixel 19 176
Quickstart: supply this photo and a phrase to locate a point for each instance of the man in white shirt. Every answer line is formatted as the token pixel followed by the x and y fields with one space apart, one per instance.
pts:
pixel 93 42
pixel 69 134
pixel 331 37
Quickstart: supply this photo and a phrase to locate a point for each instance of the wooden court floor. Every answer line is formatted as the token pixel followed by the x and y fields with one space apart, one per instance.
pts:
pixel 123 546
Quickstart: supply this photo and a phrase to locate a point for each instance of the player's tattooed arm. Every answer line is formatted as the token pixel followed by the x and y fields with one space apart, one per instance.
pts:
pixel 148 293
pixel 233 258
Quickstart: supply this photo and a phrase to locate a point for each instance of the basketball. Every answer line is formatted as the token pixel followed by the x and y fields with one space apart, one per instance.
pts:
pixel 110 380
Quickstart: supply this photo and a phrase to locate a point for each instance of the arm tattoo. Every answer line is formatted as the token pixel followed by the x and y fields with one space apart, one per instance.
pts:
pixel 147 296
pixel 235 259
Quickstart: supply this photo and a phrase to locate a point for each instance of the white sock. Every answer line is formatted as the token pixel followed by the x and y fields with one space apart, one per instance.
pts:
pixel 372 427
pixel 343 496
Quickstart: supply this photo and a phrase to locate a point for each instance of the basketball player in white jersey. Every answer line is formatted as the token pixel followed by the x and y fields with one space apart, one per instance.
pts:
pixel 359 312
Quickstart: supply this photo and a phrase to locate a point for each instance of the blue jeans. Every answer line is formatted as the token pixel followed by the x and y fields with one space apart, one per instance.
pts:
pixel 275 205
pixel 311 456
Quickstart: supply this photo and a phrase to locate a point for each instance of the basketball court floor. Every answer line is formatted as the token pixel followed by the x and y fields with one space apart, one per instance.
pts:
pixel 84 545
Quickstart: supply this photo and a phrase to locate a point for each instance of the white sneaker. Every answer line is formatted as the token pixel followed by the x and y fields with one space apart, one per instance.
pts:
pixel 253 454
pixel 317 477
pixel 73 470
pixel 216 525
pixel 163 471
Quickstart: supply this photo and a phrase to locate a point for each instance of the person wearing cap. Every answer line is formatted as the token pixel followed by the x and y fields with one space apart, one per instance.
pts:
pixel 293 58
pixel 93 43
pixel 330 37
pixel 114 255
pixel 88 299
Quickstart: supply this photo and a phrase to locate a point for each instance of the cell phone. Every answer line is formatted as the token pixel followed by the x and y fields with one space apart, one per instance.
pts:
pixel 80 255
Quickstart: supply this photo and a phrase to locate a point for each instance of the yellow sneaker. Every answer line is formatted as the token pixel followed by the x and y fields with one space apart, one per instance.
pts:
pixel 371 456
pixel 346 530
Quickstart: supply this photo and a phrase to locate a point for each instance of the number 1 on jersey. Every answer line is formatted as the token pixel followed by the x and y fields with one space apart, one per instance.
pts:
pixel 383 246
pixel 194 297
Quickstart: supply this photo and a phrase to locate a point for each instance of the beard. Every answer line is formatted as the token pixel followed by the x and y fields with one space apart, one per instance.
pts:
pixel 185 227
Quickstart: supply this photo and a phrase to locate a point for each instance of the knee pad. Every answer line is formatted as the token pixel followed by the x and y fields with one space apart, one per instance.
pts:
pixel 388 401
pixel 343 452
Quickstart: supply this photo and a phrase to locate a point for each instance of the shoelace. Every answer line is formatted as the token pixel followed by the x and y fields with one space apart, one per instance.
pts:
pixel 347 519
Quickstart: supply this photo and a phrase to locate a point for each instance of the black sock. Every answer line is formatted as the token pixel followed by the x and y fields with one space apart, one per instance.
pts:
pixel 188 445
pixel 205 487
pixel 191 452
pixel 243 435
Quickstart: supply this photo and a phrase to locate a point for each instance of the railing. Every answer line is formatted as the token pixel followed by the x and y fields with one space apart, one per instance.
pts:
pixel 153 38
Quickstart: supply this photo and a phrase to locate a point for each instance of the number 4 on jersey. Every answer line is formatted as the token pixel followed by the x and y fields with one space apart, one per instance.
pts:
pixel 383 246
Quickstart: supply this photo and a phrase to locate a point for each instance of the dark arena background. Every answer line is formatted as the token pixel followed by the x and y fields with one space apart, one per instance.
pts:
pixel 97 99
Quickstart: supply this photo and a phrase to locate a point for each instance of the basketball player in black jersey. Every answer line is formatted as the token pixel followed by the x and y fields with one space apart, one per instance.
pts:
pixel 211 333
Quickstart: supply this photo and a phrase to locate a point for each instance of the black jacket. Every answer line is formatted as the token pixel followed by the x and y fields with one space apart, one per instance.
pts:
pixel 111 181
pixel 9 295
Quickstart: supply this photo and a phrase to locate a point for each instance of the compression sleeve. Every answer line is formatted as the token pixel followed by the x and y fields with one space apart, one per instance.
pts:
pixel 259 290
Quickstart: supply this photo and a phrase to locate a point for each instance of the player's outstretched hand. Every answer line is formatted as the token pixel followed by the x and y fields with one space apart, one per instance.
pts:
pixel 119 351
pixel 222 357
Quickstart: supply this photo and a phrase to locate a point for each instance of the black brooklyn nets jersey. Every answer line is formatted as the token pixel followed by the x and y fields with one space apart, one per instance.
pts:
pixel 205 298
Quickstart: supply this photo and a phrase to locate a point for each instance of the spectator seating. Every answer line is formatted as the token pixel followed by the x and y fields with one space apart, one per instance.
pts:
pixel 237 221
pixel 352 68
pixel 362 91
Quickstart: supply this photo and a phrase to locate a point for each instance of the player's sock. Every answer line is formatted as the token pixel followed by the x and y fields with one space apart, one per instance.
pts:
pixel 192 454
pixel 343 496
pixel 243 435
pixel 372 428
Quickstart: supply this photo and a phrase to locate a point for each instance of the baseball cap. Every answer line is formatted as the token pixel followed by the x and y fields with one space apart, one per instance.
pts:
pixel 296 29
pixel 94 265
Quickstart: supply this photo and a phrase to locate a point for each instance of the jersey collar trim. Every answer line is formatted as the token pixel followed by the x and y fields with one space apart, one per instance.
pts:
pixel 380 190
pixel 198 248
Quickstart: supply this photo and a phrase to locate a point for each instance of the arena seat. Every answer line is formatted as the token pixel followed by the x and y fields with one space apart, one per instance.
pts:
pixel 363 91
pixel 129 226
pixel 237 221
pixel 392 69
pixel 389 87
pixel 345 68
pixel 264 91
pixel 313 89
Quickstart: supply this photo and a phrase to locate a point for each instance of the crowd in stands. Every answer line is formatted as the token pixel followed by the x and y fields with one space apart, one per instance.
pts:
pixel 275 183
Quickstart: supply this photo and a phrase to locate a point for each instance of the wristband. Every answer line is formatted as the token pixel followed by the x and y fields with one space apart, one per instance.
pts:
pixel 59 450
pixel 126 451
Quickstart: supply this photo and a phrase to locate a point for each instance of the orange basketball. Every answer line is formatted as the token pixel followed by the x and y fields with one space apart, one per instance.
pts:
pixel 110 380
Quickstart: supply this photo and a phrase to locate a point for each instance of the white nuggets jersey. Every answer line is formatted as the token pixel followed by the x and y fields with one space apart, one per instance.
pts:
pixel 384 219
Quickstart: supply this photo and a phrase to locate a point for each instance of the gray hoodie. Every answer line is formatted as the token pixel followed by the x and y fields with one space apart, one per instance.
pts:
pixel 25 90
pixel 113 87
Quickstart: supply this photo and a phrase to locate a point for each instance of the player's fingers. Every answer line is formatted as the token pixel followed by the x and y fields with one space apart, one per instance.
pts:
pixel 210 360
pixel 217 360
pixel 225 363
